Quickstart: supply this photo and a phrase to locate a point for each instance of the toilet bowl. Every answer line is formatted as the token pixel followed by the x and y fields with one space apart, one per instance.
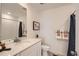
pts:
pixel 45 48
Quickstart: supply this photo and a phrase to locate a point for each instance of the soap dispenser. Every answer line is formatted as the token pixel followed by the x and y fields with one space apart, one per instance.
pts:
pixel 37 36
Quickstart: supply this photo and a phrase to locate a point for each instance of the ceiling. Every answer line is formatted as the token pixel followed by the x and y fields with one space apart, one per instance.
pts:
pixel 19 11
pixel 44 6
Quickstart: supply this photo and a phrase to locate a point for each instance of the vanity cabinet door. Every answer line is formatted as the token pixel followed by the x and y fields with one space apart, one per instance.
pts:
pixel 26 52
pixel 34 50
pixel 39 49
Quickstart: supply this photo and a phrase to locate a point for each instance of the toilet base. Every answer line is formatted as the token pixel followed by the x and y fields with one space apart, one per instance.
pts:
pixel 45 48
pixel 45 53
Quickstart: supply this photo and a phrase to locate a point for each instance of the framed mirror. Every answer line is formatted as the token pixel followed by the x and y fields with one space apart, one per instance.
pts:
pixel 11 14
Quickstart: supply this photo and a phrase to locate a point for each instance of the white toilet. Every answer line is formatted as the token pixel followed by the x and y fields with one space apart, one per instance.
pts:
pixel 45 48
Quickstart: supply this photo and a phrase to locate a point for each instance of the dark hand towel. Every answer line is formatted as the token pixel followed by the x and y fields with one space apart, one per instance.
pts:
pixel 20 30
pixel 71 45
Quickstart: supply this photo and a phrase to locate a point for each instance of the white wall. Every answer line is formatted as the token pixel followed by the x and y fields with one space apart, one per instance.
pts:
pixel 77 30
pixel 0 26
pixel 32 15
pixel 0 20
pixel 52 20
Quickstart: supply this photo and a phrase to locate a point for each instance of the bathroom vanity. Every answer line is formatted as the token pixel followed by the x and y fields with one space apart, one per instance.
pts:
pixel 26 47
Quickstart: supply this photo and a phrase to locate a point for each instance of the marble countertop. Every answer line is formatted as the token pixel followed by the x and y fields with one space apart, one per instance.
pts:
pixel 17 47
